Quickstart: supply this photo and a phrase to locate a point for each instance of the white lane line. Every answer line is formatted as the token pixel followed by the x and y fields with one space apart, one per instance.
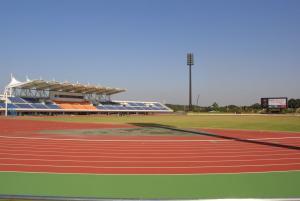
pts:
pixel 108 140
pixel 107 152
pixel 113 146
pixel 125 149
pixel 151 174
pixel 155 157
pixel 137 140
pixel 149 167
pixel 141 161
pixel 112 141
pixel 158 141
pixel 269 138
pixel 141 146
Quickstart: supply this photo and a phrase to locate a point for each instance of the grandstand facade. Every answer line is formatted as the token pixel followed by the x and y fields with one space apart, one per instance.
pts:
pixel 40 97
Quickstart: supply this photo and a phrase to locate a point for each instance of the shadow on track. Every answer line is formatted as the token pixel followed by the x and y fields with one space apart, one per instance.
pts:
pixel 154 125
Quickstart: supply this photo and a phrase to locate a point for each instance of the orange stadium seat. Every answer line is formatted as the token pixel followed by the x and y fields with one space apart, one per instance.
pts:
pixel 76 106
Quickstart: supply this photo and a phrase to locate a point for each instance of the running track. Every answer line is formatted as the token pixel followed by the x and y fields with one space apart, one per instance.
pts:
pixel 23 149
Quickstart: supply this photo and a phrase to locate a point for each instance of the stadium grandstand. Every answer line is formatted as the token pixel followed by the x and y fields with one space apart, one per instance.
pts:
pixel 40 97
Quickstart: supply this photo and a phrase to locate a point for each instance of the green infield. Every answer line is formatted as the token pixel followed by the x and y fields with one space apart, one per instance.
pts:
pixel 252 185
pixel 257 122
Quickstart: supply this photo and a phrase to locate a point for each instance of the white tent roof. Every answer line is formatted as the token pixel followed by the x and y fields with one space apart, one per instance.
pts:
pixel 63 87
pixel 13 81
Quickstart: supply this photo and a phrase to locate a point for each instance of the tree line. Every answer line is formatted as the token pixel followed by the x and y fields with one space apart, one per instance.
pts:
pixel 293 106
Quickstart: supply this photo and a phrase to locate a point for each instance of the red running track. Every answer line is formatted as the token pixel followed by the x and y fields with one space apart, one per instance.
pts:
pixel 24 149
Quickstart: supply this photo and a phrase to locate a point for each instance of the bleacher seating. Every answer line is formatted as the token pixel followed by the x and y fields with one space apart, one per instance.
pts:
pixel 39 106
pixel 41 97
pixel 131 106
pixel 28 103
pixel 32 100
pixel 141 104
pixel 109 106
pixel 65 106
pixel 23 105
pixel 17 100
pixel 76 106
pixel 11 106
pixel 52 106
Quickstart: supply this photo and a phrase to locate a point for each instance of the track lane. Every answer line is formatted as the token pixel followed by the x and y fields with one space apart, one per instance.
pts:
pixel 23 149
pixel 152 170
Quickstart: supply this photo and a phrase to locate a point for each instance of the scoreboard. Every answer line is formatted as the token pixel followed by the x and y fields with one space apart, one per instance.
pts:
pixel 274 103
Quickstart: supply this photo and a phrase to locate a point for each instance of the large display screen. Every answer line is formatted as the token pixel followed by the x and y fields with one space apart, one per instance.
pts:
pixel 279 103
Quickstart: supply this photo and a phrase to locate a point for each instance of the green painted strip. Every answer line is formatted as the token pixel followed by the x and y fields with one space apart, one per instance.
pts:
pixel 254 185
pixel 258 122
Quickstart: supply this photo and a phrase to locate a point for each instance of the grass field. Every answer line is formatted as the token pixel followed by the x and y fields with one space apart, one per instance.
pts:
pixel 266 185
pixel 272 123
pixel 248 185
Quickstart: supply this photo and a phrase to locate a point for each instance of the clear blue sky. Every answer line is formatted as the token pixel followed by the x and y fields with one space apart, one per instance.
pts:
pixel 243 49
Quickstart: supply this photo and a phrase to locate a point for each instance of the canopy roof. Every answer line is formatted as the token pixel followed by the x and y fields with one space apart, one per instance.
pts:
pixel 63 87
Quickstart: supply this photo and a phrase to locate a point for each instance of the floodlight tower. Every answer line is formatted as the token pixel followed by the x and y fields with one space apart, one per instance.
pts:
pixel 190 62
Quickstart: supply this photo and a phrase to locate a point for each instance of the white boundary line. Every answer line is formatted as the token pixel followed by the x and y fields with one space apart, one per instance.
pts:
pixel 145 143
pixel 107 140
pixel 159 161
pixel 147 174
pixel 107 152
pixel 155 157
pixel 152 167
pixel 131 149
pixel 135 140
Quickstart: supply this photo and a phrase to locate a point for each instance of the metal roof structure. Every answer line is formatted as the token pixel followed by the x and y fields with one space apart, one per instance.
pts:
pixel 62 87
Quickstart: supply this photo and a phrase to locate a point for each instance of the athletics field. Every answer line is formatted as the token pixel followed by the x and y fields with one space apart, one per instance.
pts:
pixel 151 157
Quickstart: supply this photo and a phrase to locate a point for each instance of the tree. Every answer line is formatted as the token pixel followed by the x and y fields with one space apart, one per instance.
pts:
pixel 297 103
pixel 233 108
pixel 215 106
pixel 256 106
pixel 292 103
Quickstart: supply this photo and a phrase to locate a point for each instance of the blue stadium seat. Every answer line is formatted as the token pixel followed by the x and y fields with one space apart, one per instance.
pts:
pixel 11 106
pixel 127 108
pixel 110 107
pixel 100 107
pixel 132 104
pixel 31 100
pixel 39 106
pixel 25 106
pixel 141 104
pixel 121 108
pixel 157 105
pixel 156 108
pixel 52 106
pixel 17 100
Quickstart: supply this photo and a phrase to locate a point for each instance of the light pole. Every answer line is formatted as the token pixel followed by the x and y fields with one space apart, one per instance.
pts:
pixel 190 62
pixel 6 108
pixel 198 99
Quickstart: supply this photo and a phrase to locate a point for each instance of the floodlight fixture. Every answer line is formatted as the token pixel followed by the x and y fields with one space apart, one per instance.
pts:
pixel 190 59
